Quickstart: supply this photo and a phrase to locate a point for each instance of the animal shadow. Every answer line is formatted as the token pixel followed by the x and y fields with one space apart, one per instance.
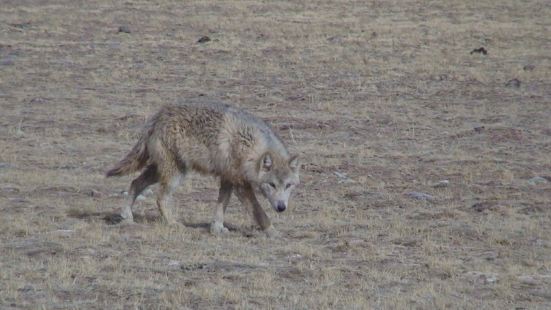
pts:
pixel 114 218
pixel 110 218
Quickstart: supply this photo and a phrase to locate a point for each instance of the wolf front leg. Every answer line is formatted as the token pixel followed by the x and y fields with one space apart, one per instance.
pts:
pixel 224 195
pixel 247 197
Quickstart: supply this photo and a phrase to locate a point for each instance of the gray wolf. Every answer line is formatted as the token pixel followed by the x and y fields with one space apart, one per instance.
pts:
pixel 214 139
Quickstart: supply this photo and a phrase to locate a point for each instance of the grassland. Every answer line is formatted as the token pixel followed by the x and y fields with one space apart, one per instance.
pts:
pixel 380 98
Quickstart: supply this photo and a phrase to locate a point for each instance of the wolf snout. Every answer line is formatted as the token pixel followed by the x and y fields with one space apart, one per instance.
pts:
pixel 281 206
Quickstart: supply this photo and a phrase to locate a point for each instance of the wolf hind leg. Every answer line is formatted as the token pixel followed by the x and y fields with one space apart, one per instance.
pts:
pixel 148 177
pixel 170 176
pixel 224 195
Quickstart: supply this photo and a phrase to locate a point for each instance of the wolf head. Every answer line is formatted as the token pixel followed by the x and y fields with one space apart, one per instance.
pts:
pixel 276 179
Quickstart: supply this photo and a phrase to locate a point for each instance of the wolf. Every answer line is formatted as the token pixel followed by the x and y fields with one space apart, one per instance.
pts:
pixel 216 139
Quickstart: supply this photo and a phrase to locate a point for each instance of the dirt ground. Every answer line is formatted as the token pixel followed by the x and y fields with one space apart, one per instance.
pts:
pixel 423 127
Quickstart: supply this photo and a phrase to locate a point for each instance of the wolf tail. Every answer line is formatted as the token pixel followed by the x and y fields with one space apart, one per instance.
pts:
pixel 136 158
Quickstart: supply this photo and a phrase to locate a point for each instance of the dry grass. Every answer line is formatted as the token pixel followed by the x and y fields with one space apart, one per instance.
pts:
pixel 384 92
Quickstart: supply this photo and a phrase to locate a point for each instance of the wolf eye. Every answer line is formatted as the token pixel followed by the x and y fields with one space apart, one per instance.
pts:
pixel 288 185
pixel 272 185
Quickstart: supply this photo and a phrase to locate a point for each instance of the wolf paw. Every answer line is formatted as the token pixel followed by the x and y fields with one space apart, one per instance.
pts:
pixel 217 228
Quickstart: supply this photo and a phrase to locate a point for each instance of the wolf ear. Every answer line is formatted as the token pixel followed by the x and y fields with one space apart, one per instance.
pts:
pixel 266 162
pixel 294 162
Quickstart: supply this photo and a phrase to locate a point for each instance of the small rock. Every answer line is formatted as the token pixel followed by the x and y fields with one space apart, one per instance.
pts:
pixel 23 25
pixel 480 50
pixel 9 189
pixel 537 180
pixel 32 247
pixel 174 263
pixel 26 288
pixel 203 39
pixel 483 206
pixel 124 29
pixel 39 100
pixel 18 200
pixel 490 278
pixel 293 258
pixel 340 175
pixel 94 193
pixel 514 83
pixel 420 196
pixel 529 68
pixel 489 255
pixel 406 242
pixel 528 280
pixel 8 60
pixel 335 39
pixel 113 219
pixel 343 178
pixel 479 129
pixel 296 97
pixel 193 267
pixel 441 184
pixel 482 277
pixel 5 165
